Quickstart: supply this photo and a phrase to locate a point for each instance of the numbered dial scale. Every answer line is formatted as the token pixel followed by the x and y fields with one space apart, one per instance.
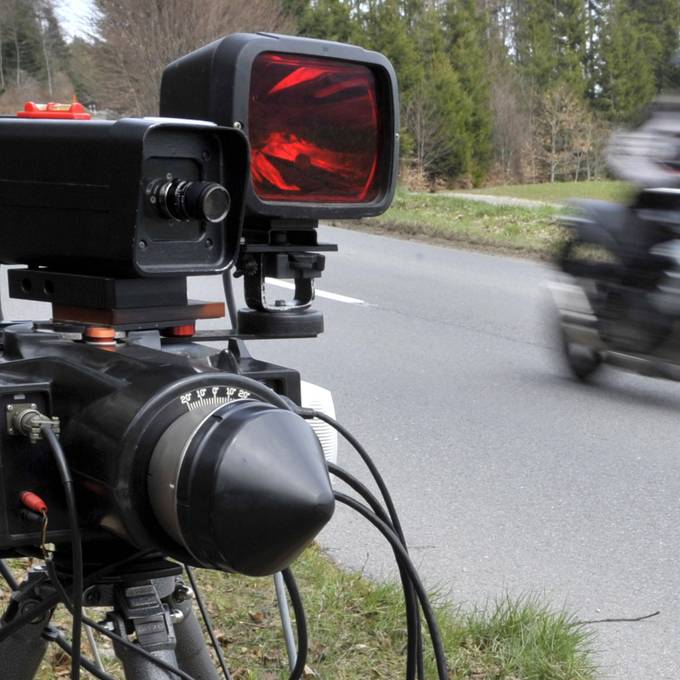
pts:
pixel 213 395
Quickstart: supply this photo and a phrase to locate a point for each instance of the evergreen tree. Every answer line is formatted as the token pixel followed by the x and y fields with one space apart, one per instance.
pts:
pixel 31 43
pixel 569 31
pixel 551 43
pixel 475 73
pixel 83 71
pixel 630 54
pixel 382 27
pixel 595 29
pixel 534 47
pixel 439 112
pixel 659 22
pixel 466 30
pixel 327 19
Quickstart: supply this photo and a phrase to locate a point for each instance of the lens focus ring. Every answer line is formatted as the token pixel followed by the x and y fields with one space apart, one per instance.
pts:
pixel 183 200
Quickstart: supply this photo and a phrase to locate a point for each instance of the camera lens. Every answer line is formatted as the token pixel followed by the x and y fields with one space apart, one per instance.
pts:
pixel 208 199
pixel 183 200
pixel 242 487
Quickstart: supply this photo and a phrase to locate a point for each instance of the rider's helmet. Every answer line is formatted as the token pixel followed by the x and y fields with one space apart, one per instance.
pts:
pixel 649 155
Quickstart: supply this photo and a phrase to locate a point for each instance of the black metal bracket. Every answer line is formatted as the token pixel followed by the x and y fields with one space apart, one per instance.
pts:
pixel 286 251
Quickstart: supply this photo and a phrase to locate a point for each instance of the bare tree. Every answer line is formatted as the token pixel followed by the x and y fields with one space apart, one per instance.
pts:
pixel 560 127
pixel 17 49
pixel 41 9
pixel 512 126
pixel 136 39
pixel 432 137
pixel 4 15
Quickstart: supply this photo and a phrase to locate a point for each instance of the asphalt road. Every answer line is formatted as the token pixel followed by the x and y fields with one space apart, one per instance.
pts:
pixel 510 478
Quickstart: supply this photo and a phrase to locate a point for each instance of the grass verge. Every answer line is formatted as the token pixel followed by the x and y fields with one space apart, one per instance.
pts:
pixel 558 192
pixel 357 631
pixel 525 231
pixel 441 218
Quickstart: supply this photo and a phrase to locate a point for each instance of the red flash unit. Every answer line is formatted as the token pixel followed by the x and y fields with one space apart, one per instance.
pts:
pixel 302 157
pixel 321 118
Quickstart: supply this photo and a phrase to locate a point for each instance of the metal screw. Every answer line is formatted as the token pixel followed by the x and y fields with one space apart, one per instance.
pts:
pixel 183 593
pixel 108 625
pixel 176 616
pixel 26 609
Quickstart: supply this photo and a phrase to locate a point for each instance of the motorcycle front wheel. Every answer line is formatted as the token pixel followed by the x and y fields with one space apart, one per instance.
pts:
pixel 581 361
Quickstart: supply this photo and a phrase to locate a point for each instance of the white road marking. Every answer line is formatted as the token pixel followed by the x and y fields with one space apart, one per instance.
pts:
pixel 318 293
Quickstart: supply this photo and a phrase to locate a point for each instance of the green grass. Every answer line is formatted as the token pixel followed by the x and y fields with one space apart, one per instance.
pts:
pixel 559 192
pixel 531 231
pixel 357 631
pixel 444 218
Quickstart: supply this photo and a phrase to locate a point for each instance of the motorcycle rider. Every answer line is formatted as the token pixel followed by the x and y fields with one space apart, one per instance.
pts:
pixel 649 158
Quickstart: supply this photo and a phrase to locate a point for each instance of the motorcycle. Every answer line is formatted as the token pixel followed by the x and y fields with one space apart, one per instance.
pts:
pixel 618 295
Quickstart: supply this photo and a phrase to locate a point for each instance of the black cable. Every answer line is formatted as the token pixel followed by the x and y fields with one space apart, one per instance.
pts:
pixel 76 546
pixel 228 287
pixel 361 489
pixel 414 653
pixel 51 634
pixel 300 624
pixel 393 538
pixel 52 600
pixel 387 498
pixel 2 315
pixel 137 649
pixel 207 622
pixel 375 473
pixel 110 634
pixel 8 575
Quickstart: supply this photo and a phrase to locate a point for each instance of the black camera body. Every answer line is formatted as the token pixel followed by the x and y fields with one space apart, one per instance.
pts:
pixel 174 446
pixel 96 197
pixel 115 403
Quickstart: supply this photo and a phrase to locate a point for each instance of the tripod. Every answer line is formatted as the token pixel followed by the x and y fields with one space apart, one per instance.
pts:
pixel 147 601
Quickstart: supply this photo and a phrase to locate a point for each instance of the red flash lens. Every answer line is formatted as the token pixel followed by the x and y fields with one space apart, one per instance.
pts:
pixel 314 130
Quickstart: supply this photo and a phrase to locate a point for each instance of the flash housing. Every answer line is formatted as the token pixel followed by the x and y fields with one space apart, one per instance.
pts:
pixel 325 104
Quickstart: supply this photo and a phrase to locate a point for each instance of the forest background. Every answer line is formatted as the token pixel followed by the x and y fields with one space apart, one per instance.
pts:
pixel 492 91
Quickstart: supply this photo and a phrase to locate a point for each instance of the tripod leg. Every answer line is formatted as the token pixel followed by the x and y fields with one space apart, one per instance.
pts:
pixel 139 609
pixel 136 667
pixel 286 622
pixel 22 652
pixel 192 653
